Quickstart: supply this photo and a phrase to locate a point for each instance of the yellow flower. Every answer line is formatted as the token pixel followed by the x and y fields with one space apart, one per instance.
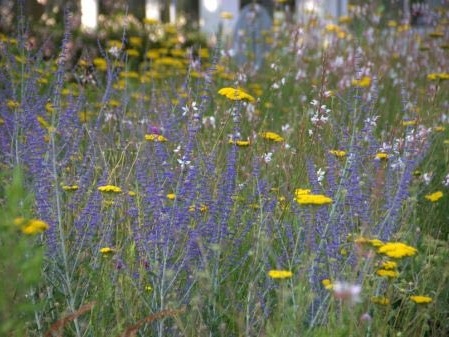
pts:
pixel 107 250
pixel 132 52
pixel 327 283
pixel 12 104
pixel 241 143
pixel 312 199
pixel 154 137
pixel 70 187
pixel 100 63
pixel 272 136
pixel 397 250
pixel 364 82
pixel 236 94
pixel 34 226
pixel 149 21
pixel 381 156
pixel 302 191
pixel 109 189
pixel 436 34
pixel 338 153
pixel 387 273
pixel 435 196
pixel 421 299
pixel 439 128
pixel 382 300
pixel 409 122
pixel 392 23
pixel 171 196
pixel 135 41
pixel 280 274
pixel 389 265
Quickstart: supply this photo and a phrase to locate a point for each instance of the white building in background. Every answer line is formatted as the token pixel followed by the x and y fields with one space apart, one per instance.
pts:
pixel 209 11
pixel 89 14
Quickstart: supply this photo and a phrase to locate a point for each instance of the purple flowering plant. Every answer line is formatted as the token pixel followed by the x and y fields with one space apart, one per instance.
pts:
pixel 164 197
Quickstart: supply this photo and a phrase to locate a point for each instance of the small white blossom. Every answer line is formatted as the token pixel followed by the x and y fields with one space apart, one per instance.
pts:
pixel 114 51
pixel 346 291
pixel 427 177
pixel 320 175
pixel 446 180
pixel 267 157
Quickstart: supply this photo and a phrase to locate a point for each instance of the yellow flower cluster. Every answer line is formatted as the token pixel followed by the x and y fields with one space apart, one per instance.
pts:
pixel 280 274
pixel 381 156
pixel 364 82
pixel 338 153
pixel 154 137
pixel 31 227
pixel 438 76
pixel 109 189
pixel 241 143
pixel 433 197
pixel 236 94
pixel 304 197
pixel 382 300
pixel 271 136
pixel 107 250
pixel 419 299
pixel 70 187
pixel 397 250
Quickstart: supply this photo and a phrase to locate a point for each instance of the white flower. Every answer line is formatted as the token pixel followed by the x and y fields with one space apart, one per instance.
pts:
pixel 320 175
pixel 446 180
pixel 347 291
pixel 427 177
pixel 183 163
pixel 114 51
pixel 267 157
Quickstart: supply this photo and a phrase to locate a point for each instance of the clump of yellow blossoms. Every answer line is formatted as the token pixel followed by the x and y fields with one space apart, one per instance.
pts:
pixel 364 82
pixel 280 274
pixel 271 136
pixel 241 143
pixel 109 189
pixel 236 94
pixel 304 197
pixel 154 137
pixel 434 196
pixel 338 153
pixel 31 227
pixel 421 299
pixel 397 250
pixel 107 250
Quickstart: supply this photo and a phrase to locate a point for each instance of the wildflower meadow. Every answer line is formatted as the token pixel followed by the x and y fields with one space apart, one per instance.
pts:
pixel 152 186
